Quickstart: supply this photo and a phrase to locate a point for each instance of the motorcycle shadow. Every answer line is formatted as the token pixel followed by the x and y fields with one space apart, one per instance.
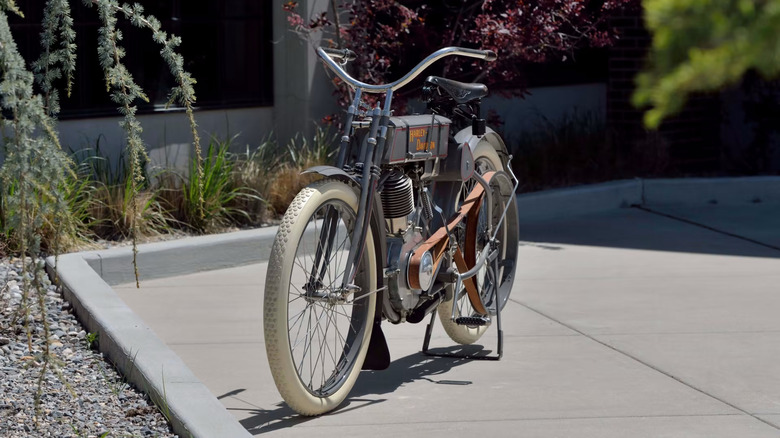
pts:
pixel 370 384
pixel 413 367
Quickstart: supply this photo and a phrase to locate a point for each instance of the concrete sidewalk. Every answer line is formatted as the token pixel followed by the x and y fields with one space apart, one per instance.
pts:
pixel 640 323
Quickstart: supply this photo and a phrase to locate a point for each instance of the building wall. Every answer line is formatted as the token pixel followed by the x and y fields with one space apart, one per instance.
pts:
pixel 302 91
pixel 553 103
pixel 302 96
pixel 167 134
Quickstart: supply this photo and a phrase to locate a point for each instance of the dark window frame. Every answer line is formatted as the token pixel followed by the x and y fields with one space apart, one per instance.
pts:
pixel 226 83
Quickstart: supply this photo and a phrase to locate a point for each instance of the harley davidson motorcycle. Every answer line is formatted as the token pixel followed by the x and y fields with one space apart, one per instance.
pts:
pixel 417 218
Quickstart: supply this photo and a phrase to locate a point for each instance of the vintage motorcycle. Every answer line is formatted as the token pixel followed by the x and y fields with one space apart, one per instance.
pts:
pixel 417 217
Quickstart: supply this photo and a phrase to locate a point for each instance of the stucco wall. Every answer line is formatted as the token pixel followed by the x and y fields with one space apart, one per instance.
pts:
pixel 521 115
pixel 167 134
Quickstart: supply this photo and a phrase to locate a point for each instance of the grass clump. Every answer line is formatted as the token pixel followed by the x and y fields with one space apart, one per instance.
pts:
pixel 255 168
pixel 214 202
pixel 302 153
pixel 235 189
pixel 103 199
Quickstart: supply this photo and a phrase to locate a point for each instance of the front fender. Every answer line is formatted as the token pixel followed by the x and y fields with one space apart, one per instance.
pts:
pixel 333 172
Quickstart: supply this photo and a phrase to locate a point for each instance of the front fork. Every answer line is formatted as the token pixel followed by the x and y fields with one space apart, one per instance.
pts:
pixel 371 152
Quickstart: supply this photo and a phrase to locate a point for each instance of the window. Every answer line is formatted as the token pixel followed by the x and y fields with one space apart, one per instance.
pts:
pixel 226 46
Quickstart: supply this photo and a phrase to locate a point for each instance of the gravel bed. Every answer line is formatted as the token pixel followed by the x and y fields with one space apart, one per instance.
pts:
pixel 83 396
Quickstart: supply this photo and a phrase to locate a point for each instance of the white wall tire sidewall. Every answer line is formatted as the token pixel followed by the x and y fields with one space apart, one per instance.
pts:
pixel 462 334
pixel 276 296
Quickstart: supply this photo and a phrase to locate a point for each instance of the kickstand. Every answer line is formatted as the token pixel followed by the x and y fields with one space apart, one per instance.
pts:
pixel 500 340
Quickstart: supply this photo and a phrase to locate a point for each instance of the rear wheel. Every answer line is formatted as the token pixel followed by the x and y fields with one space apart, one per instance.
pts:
pixel 316 332
pixel 485 159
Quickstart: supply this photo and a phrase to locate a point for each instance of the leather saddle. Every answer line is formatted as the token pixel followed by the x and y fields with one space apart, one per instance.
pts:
pixel 460 92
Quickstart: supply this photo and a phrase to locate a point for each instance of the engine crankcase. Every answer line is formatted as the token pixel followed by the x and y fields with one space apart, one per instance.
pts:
pixel 399 251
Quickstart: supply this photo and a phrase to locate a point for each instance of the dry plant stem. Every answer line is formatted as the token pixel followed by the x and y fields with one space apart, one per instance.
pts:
pixel 134 171
pixel 24 211
pixel 57 249
pixel 198 157
pixel 126 91
pixel 39 391
pixel 46 352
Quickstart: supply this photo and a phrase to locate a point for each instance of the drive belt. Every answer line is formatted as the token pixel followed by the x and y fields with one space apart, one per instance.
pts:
pixel 438 243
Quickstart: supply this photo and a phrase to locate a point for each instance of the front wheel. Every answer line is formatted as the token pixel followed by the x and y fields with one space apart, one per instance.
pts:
pixel 485 159
pixel 316 331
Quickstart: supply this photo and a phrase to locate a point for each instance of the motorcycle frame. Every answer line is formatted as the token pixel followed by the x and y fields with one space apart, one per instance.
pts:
pixel 365 173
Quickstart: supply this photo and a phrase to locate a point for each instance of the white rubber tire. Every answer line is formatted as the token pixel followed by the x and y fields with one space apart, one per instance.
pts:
pixel 462 334
pixel 275 308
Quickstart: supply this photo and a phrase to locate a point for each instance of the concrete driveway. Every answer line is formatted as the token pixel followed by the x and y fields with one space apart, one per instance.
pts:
pixel 630 323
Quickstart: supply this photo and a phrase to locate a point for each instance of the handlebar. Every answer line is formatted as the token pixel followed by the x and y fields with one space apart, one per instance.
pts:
pixel 329 56
pixel 343 54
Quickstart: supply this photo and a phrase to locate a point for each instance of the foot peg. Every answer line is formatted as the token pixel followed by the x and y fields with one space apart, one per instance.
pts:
pixel 473 321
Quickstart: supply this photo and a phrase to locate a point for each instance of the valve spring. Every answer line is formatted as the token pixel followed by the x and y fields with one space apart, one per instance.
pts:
pixel 397 196
pixel 426 204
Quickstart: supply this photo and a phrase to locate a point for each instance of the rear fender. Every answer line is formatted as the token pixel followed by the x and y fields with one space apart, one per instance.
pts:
pixel 445 191
pixel 491 137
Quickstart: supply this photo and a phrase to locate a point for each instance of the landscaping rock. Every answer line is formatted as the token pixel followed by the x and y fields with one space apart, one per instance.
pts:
pixel 101 398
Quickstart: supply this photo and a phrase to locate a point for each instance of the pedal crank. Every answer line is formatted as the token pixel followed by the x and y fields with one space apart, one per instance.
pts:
pixel 473 321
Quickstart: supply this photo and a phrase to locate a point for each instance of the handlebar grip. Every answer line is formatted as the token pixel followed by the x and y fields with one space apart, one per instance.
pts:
pixel 487 55
pixel 343 54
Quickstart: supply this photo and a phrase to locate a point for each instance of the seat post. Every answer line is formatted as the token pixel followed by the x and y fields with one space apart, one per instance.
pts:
pixel 478 125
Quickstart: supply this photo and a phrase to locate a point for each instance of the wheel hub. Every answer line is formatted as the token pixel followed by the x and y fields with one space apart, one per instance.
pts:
pixel 330 296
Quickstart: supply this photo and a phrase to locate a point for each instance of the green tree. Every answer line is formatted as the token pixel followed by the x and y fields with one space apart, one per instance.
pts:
pixel 704 45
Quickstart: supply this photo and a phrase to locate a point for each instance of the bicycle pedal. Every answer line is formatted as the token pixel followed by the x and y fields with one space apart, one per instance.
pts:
pixel 472 320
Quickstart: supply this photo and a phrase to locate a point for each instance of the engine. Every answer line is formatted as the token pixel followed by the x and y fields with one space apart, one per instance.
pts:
pixel 404 236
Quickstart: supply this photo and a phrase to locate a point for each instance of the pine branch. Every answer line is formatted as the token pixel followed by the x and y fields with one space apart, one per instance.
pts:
pixel 59 53
pixel 35 167
pixel 184 92
pixel 10 5
pixel 124 92
pixel 35 164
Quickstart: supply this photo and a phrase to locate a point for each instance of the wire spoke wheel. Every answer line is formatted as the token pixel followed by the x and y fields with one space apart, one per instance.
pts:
pixel 317 330
pixel 488 279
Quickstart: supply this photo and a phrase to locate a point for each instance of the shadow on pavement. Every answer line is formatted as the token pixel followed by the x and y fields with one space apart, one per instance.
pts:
pixel 707 232
pixel 369 386
pixel 412 368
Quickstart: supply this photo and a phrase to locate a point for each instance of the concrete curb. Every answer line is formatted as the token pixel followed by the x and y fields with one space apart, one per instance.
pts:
pixel 148 363
pixel 183 256
pixel 141 356
pixel 559 203
pixel 550 204
pixel 728 191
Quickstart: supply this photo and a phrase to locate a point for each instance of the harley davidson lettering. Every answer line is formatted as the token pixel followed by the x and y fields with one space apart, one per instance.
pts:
pixel 417 139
